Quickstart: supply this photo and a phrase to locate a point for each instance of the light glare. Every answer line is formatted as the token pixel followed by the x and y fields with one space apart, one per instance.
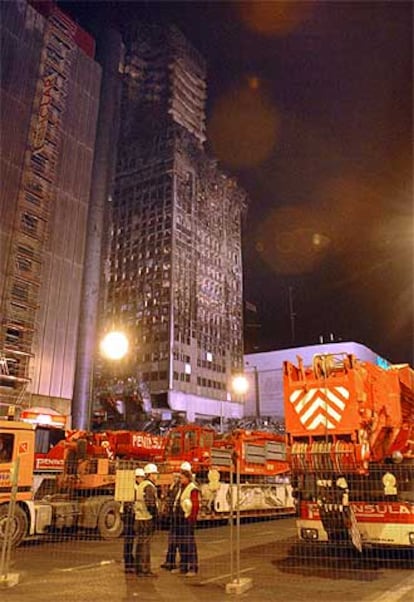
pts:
pixel 114 345
pixel 240 384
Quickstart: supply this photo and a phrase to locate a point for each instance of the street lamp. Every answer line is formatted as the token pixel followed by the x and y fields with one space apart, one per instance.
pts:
pixel 114 345
pixel 240 384
pixel 237 585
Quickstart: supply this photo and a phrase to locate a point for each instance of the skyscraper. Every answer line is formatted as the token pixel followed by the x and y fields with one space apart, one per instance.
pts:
pixel 49 102
pixel 174 266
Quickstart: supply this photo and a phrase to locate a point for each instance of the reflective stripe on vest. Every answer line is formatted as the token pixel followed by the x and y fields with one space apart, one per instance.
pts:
pixel 140 507
pixel 186 495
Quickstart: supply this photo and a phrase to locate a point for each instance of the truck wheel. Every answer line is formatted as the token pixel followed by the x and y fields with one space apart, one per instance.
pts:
pixel 19 524
pixel 110 523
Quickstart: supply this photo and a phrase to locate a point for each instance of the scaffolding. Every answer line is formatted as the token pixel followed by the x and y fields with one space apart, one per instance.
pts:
pixel 33 209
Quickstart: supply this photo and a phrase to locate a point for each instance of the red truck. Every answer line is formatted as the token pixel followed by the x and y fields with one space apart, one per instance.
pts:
pixel 70 479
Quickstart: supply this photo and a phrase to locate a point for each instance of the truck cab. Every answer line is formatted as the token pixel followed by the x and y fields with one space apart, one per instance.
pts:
pixel 36 511
pixel 18 442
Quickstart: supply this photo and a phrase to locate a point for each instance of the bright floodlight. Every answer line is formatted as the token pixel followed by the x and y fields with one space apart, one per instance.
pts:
pixel 240 384
pixel 114 345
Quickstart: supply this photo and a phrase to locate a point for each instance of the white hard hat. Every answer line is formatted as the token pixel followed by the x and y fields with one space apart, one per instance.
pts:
pixel 139 472
pixel 186 466
pixel 150 469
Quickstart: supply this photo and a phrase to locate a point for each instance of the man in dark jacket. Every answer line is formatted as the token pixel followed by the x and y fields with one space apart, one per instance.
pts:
pixel 170 562
pixel 171 557
pixel 146 516
pixel 184 517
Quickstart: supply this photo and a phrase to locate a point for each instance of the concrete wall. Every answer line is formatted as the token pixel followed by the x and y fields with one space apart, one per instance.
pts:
pixel 196 406
pixel 55 344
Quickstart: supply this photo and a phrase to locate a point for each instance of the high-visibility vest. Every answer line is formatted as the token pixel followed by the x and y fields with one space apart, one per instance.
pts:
pixel 140 507
pixel 184 497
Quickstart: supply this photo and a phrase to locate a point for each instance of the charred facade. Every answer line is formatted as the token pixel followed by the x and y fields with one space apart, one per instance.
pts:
pixel 174 266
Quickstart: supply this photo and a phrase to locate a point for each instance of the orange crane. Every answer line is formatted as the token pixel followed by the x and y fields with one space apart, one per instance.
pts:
pixel 39 508
pixel 74 483
pixel 350 428
pixel 265 488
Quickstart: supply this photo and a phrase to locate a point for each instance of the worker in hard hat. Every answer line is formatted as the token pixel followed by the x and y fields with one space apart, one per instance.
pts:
pixel 186 466
pixel 184 517
pixel 128 518
pixel 146 516
pixel 171 558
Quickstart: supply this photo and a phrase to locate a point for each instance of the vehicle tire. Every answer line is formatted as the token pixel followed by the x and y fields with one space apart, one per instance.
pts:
pixel 19 526
pixel 110 523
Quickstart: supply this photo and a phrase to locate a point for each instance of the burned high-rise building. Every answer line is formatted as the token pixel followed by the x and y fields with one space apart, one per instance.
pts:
pixel 174 264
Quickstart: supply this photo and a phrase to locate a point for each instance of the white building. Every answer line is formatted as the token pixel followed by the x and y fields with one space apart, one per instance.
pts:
pixel 264 372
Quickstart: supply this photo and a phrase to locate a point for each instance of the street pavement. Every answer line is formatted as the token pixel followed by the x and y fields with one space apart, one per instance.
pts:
pixel 91 571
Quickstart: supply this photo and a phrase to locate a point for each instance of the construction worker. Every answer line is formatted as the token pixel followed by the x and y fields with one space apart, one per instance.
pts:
pixel 184 515
pixel 171 559
pixel 146 516
pixel 129 524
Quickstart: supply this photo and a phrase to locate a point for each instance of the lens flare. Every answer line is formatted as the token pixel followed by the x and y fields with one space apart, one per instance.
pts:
pixel 293 240
pixel 244 126
pixel 240 384
pixel 114 345
pixel 274 18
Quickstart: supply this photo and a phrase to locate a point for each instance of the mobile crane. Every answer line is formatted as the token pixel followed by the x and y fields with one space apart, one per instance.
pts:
pixel 74 483
pixel 37 510
pixel 350 427
pixel 265 488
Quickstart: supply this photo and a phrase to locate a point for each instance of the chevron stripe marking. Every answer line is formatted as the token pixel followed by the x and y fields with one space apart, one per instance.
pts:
pixel 305 400
pixel 320 420
pixel 323 406
pixel 295 395
pixel 319 403
pixel 328 392
pixel 342 394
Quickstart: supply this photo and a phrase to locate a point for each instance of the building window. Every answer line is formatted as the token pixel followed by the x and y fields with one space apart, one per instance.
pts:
pixel 29 223
pixel 6 448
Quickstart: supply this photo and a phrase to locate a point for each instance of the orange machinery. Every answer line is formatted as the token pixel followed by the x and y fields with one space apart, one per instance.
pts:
pixel 350 428
pixel 73 484
pixel 39 509
pixel 263 465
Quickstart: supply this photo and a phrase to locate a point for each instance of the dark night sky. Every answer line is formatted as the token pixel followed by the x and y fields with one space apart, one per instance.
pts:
pixel 310 106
